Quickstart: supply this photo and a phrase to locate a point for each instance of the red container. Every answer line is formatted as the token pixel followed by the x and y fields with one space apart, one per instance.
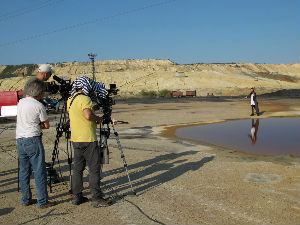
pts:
pixel 10 97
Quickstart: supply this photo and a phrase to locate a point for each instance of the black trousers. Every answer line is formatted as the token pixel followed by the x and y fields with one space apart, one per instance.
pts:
pixel 86 153
pixel 256 108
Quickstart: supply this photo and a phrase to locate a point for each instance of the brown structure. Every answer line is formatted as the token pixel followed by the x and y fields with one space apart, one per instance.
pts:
pixel 177 94
pixel 190 93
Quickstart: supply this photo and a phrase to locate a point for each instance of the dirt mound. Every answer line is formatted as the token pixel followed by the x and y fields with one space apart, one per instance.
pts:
pixel 292 93
pixel 134 76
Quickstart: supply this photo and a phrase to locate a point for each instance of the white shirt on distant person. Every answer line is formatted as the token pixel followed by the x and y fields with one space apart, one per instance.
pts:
pixel 252 99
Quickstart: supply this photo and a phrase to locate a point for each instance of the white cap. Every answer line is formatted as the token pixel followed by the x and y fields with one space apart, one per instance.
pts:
pixel 45 68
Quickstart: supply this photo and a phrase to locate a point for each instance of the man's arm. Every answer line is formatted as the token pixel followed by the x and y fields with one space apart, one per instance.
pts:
pixel 45 124
pixel 89 115
pixel 248 96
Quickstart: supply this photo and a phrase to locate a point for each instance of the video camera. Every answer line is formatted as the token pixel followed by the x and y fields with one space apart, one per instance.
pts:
pixel 107 103
pixel 64 87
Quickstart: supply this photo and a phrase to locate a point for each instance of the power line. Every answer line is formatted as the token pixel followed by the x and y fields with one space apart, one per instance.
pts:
pixel 87 23
pixel 19 10
pixel 22 11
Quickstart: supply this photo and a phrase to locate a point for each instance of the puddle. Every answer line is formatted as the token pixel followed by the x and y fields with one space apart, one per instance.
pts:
pixel 270 136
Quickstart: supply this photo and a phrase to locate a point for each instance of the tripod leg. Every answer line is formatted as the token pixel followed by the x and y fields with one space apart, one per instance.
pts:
pixel 62 127
pixel 103 149
pixel 54 156
pixel 70 165
pixel 18 175
pixel 123 157
pixel 104 153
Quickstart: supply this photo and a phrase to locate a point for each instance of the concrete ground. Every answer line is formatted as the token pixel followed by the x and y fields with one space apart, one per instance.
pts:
pixel 177 181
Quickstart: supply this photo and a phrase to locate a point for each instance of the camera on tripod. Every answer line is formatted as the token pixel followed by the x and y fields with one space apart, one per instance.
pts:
pixel 104 101
pixel 64 87
pixel 107 103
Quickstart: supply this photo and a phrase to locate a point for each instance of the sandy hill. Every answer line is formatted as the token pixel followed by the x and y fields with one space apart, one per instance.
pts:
pixel 133 76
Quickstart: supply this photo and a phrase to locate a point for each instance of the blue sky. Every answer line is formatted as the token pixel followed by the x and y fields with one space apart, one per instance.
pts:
pixel 184 31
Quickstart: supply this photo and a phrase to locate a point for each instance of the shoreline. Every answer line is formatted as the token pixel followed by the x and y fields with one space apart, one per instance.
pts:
pixel 169 132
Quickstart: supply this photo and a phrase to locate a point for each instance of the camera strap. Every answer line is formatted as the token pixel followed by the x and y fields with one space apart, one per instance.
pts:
pixel 74 98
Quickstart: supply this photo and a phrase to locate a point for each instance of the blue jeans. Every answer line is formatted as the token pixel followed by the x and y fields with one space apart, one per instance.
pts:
pixel 31 153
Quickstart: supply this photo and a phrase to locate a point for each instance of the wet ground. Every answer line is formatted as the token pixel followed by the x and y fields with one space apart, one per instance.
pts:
pixel 268 136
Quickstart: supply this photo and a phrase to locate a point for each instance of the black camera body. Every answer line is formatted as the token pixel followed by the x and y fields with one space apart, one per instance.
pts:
pixel 64 87
pixel 107 103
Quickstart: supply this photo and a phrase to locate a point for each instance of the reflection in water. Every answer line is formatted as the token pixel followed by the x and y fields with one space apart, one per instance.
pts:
pixel 253 131
pixel 276 135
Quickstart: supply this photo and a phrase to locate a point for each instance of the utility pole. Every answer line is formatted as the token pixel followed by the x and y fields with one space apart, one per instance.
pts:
pixel 92 58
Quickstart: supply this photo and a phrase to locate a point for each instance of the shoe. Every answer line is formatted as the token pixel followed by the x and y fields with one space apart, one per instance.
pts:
pixel 252 114
pixel 31 202
pixel 79 199
pixel 47 205
pixel 100 202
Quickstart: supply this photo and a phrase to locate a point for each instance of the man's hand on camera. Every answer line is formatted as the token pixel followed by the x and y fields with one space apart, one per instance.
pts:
pixel 99 119
pixel 96 107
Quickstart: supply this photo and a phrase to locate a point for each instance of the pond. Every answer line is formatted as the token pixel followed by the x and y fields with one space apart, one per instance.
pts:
pixel 268 136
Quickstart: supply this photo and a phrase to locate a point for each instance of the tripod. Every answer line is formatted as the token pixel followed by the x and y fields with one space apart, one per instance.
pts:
pixel 104 152
pixel 62 127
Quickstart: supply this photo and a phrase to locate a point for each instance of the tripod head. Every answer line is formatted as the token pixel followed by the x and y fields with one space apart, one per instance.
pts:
pixel 107 103
pixel 64 87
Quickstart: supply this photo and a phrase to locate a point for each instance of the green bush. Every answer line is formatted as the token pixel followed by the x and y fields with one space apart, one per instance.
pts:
pixel 148 94
pixel 153 94
pixel 163 93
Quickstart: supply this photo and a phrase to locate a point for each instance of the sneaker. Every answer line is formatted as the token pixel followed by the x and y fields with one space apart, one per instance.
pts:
pixel 100 202
pixel 47 205
pixel 77 200
pixel 31 202
pixel 252 114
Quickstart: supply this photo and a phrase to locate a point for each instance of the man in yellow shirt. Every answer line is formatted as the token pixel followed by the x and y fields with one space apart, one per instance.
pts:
pixel 84 139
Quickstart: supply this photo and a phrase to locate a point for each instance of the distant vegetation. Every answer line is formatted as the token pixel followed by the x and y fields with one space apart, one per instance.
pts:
pixel 148 94
pixel 163 93
pixel 152 94
pixel 17 70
